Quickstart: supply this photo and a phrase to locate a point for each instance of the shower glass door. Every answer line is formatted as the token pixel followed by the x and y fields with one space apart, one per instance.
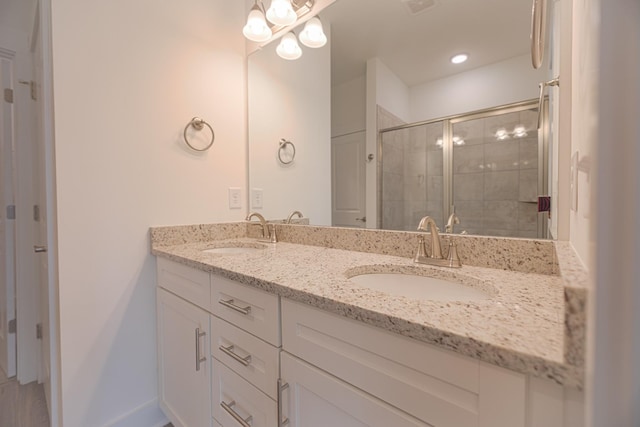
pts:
pixel 488 167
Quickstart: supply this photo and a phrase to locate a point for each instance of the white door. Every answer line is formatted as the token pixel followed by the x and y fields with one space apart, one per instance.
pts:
pixel 314 398
pixel 348 180
pixel 184 391
pixel 7 220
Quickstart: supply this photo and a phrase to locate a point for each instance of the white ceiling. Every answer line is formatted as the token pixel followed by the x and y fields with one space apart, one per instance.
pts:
pixel 17 14
pixel 418 47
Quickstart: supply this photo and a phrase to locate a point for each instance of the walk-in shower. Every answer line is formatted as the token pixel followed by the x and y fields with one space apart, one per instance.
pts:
pixel 489 167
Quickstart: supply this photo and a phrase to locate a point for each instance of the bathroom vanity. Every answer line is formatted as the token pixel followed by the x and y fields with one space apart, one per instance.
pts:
pixel 278 335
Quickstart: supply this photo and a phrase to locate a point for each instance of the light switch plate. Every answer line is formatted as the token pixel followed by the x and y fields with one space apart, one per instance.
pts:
pixel 256 198
pixel 235 198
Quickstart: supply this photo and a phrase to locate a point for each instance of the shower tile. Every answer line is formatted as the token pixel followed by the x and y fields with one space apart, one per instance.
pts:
pixel 392 159
pixel 418 138
pixel 501 185
pixel 435 188
pixel 415 188
pixel 392 186
pixel 502 155
pixel 469 186
pixel 507 122
pixel 500 232
pixel 528 153
pixel 472 131
pixel 416 163
pixel 393 215
pixel 468 159
pixel 471 215
pixel 434 162
pixel 528 185
pixel 528 217
pixel 433 132
pixel 529 119
pixel 502 215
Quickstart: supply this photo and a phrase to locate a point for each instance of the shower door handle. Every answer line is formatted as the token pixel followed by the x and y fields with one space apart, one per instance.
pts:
pixel 39 249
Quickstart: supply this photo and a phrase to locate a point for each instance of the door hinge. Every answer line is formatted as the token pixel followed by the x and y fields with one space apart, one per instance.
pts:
pixel 8 96
pixel 39 331
pixel 11 211
pixel 36 213
pixel 12 326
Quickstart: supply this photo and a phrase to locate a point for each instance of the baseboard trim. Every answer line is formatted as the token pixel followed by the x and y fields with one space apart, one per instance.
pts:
pixel 146 415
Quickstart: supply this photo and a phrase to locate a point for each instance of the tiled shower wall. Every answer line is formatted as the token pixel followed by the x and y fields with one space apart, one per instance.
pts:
pixel 494 181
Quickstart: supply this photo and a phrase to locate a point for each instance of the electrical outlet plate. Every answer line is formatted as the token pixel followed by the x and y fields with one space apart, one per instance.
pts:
pixel 235 198
pixel 256 198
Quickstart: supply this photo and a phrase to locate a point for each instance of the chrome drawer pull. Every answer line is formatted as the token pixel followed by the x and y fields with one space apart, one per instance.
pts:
pixel 199 359
pixel 244 310
pixel 244 422
pixel 281 387
pixel 245 361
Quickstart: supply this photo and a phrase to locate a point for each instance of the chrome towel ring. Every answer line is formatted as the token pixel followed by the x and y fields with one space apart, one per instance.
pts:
pixel 283 147
pixel 198 124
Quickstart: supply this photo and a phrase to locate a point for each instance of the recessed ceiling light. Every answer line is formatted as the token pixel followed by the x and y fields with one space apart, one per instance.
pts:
pixel 460 58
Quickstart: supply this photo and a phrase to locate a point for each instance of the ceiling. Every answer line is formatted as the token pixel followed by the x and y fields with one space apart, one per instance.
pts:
pixel 417 47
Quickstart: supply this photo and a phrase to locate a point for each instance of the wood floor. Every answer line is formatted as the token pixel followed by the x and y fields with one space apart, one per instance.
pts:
pixel 22 405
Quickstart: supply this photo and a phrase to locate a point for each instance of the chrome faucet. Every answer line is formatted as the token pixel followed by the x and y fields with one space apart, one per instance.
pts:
pixel 453 219
pixel 263 223
pixel 290 217
pixel 428 224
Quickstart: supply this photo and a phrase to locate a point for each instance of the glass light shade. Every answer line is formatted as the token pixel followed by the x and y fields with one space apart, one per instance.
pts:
pixel 281 12
pixel 256 29
pixel 313 34
pixel 288 47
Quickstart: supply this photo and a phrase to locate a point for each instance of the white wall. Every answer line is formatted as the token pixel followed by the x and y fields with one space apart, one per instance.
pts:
pixel 392 93
pixel 128 76
pixel 504 82
pixel 291 100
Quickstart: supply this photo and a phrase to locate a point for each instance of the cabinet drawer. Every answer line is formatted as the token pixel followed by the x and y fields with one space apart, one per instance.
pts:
pixel 234 397
pixel 436 386
pixel 188 283
pixel 253 310
pixel 250 357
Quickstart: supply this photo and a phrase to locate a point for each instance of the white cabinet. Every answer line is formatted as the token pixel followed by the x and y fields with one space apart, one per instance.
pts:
pixel 314 398
pixel 183 361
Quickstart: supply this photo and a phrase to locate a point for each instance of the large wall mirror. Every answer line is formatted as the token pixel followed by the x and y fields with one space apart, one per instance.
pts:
pixel 387 129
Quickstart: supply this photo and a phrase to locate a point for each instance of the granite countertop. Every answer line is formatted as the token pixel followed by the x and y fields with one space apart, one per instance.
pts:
pixel 520 327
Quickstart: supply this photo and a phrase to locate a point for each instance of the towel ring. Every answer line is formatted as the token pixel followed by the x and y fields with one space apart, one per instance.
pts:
pixel 198 124
pixel 283 146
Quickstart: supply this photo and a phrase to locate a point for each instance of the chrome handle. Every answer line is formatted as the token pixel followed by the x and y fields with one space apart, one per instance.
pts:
pixel 538 28
pixel 245 361
pixel 542 85
pixel 229 304
pixel 244 422
pixel 281 387
pixel 38 249
pixel 363 219
pixel 199 359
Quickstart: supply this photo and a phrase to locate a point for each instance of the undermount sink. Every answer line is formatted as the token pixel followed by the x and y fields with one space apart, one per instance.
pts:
pixel 418 286
pixel 235 249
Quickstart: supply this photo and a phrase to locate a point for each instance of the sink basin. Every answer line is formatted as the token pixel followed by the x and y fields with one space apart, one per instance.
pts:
pixel 235 249
pixel 420 287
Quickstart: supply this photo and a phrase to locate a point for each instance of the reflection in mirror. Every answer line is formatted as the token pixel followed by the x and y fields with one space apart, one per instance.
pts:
pixel 387 64
pixel 483 166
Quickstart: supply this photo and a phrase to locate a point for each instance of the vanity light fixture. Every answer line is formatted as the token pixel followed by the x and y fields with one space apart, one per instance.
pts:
pixel 313 35
pixel 281 12
pixel 519 132
pixel 288 47
pixel 257 29
pixel 459 58
pixel 457 140
pixel 502 134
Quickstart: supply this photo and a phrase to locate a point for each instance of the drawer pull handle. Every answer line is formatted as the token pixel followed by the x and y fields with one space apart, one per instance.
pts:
pixel 244 310
pixel 281 387
pixel 199 359
pixel 245 361
pixel 244 422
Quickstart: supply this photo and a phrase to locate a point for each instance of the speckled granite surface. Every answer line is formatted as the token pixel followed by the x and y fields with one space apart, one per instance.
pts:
pixel 520 327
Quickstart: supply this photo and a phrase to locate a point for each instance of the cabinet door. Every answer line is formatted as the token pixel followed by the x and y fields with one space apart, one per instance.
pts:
pixel 314 398
pixel 183 362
